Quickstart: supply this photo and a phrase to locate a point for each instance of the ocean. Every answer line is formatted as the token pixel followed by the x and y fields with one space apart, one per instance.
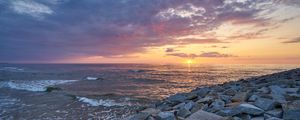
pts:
pixel 105 91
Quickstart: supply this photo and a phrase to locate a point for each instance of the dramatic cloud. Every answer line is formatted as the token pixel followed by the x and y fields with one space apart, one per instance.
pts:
pixel 295 40
pixel 170 50
pixel 204 54
pixel 36 30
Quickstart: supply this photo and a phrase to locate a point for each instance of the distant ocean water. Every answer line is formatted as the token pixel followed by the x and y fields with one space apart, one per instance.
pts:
pixel 119 90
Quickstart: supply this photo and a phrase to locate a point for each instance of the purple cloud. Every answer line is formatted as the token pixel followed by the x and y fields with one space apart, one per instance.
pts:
pixel 204 54
pixel 35 30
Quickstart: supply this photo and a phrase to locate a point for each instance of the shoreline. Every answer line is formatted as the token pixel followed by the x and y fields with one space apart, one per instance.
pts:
pixel 273 97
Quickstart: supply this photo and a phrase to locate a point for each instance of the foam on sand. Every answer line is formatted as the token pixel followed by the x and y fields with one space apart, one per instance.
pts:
pixel 32 85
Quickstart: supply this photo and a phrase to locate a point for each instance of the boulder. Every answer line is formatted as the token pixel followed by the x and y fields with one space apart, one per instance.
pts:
pixel 265 103
pixel 225 98
pixel 217 104
pixel 176 98
pixel 139 116
pixel 240 97
pixel 228 112
pixel 207 99
pixel 198 106
pixel 258 118
pixel 253 98
pixel 189 105
pixel 264 90
pixel 275 113
pixel 150 111
pixel 201 92
pixel 166 116
pixel 202 115
pixel 183 113
pixel 249 109
pixel 230 92
pixel 291 110
pixel 273 118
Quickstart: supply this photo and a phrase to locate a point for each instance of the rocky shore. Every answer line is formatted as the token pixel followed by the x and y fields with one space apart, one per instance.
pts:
pixel 269 97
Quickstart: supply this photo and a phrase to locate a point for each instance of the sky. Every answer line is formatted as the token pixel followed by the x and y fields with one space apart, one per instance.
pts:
pixel 150 31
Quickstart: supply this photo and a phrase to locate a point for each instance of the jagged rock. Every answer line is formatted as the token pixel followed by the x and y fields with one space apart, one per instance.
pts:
pixel 244 116
pixel 139 116
pixel 230 92
pixel 249 109
pixel 151 111
pixel 217 104
pixel 291 110
pixel 240 97
pixel 291 90
pixel 166 116
pixel 177 98
pixel 207 99
pixel 178 106
pixel 273 118
pixel 183 113
pixel 258 118
pixel 202 115
pixel 277 93
pixel 189 105
pixel 275 113
pixel 264 90
pixel 202 92
pixel 198 106
pixel 225 98
pixel 228 112
pixel 265 104
pixel 253 98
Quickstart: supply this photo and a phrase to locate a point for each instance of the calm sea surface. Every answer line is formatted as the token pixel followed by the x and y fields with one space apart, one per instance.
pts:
pixel 119 91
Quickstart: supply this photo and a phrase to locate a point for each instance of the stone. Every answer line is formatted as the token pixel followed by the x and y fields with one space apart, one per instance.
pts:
pixel 207 99
pixel 244 116
pixel 277 93
pixel 198 106
pixel 225 98
pixel 240 97
pixel 217 104
pixel 273 118
pixel 275 113
pixel 230 92
pixel 257 118
pixel 189 105
pixel 265 103
pixel 183 113
pixel 291 110
pixel 177 98
pixel 139 116
pixel 291 90
pixel 264 90
pixel 202 115
pixel 249 109
pixel 151 111
pixel 166 116
pixel 228 112
pixel 253 98
pixel 202 91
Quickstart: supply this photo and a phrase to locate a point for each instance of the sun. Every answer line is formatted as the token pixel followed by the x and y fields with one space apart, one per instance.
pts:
pixel 189 61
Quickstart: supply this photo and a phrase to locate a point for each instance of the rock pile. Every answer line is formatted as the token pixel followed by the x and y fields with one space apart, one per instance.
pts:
pixel 271 97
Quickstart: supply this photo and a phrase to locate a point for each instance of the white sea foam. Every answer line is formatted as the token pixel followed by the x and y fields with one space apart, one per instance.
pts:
pixel 32 85
pixel 12 69
pixel 100 102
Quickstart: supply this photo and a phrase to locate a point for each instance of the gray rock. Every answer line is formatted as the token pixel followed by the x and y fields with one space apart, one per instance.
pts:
pixel 258 118
pixel 277 93
pixel 225 98
pixel 291 90
pixel 275 113
pixel 274 118
pixel 189 105
pixel 202 115
pixel 166 116
pixel 198 106
pixel 253 98
pixel 217 104
pixel 265 104
pixel 291 110
pixel 139 116
pixel 177 98
pixel 183 113
pixel 202 91
pixel 264 90
pixel 240 97
pixel 230 92
pixel 228 112
pixel 207 99
pixel 244 116
pixel 151 111
pixel 249 109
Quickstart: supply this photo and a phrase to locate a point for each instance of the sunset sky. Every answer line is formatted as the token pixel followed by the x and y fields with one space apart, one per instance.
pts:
pixel 150 31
